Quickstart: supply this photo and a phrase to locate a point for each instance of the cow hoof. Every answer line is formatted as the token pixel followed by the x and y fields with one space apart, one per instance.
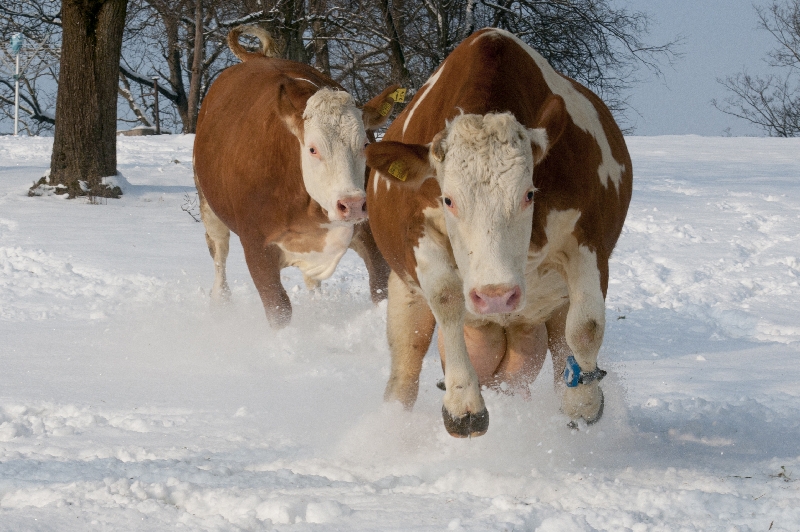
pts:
pixel 279 319
pixel 584 401
pixel 466 426
pixel 599 414
pixel 441 385
pixel 221 296
pixel 573 425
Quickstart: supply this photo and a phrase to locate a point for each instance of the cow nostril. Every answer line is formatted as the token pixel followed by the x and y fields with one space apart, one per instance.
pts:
pixel 477 300
pixel 513 299
pixel 341 206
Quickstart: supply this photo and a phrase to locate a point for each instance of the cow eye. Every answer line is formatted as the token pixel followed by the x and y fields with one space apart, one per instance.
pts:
pixel 313 150
pixel 529 196
pixel 448 202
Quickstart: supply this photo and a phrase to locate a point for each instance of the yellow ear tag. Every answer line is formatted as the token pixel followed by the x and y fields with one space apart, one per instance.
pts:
pixel 385 108
pixel 399 170
pixel 399 96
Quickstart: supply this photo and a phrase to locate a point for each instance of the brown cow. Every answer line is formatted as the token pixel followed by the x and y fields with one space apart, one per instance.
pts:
pixel 279 160
pixel 507 247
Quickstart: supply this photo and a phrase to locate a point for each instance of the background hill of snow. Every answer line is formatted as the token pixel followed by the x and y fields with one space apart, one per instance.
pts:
pixel 128 403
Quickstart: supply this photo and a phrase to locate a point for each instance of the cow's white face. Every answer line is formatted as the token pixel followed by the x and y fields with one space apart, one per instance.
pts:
pixel 484 165
pixel 332 154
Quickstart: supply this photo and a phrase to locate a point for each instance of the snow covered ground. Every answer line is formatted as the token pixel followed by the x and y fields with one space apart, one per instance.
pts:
pixel 128 403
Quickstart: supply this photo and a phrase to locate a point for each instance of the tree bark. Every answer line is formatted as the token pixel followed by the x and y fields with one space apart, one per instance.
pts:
pixel 84 147
pixel 293 30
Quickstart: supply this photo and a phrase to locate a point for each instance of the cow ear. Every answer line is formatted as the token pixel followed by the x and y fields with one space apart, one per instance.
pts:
pixel 377 111
pixel 404 163
pixel 438 147
pixel 550 125
pixel 292 98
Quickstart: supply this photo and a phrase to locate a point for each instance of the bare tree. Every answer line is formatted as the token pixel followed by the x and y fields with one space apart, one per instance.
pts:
pixel 182 42
pixel 40 23
pixel 771 102
pixel 362 44
pixel 592 41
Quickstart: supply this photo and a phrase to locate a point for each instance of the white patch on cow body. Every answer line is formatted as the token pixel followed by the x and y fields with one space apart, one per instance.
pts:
pixel 580 109
pixel 308 80
pixel 425 90
pixel 333 125
pixel 380 178
pixel 319 265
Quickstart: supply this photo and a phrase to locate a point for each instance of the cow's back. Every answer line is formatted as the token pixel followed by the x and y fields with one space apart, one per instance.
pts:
pixel 492 71
pixel 245 157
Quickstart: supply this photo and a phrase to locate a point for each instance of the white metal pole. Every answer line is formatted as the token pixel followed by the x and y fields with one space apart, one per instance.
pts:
pixel 16 99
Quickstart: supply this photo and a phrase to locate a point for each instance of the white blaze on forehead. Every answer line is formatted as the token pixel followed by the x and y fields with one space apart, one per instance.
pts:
pixel 329 109
pixel 333 125
pixel 487 170
pixel 424 91
pixel 580 109
pixel 489 154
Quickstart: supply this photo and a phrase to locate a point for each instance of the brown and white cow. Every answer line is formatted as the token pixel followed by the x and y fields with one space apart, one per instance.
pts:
pixel 506 246
pixel 279 160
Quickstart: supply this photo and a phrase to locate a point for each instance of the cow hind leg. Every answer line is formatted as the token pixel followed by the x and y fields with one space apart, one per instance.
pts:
pixel 557 344
pixel 265 269
pixel 409 328
pixel 218 238
pixel 364 244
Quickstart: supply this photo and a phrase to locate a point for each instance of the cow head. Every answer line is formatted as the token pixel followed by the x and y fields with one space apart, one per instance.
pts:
pixel 484 165
pixel 332 135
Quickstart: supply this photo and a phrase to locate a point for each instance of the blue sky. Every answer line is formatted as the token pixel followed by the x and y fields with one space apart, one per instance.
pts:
pixel 721 38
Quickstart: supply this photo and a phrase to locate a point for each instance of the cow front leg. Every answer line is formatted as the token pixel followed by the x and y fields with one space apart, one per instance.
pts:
pixel 409 327
pixel 218 238
pixel 486 345
pixel 463 411
pixel 265 269
pixel 584 329
pixel 364 244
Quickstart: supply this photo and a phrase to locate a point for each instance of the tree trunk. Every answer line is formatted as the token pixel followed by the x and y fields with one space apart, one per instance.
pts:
pixel 195 82
pixel 293 30
pixel 175 67
pixel 84 147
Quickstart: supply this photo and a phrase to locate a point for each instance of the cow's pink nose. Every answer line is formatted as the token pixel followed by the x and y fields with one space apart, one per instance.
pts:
pixel 352 208
pixel 496 299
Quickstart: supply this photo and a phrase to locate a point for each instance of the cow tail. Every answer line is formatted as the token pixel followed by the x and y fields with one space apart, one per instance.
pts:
pixel 269 48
